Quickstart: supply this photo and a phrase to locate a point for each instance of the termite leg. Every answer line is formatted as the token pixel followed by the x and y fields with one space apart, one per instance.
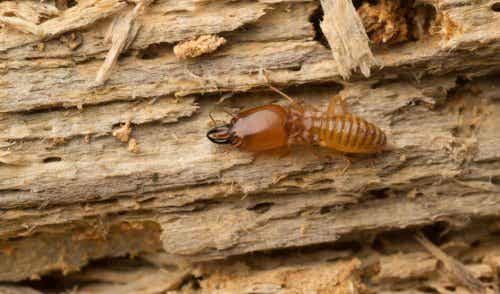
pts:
pixel 282 94
pixel 337 106
pixel 344 157
pixel 326 159
pixel 283 152
pixel 348 164
pixel 279 152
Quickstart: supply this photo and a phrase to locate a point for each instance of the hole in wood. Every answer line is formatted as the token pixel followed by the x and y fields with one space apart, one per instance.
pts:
pixel 331 208
pixel 261 207
pixel 389 22
pixel 487 280
pixel 52 159
pixel 427 289
pixel 436 233
pixel 324 210
pixel 495 7
pixel 154 51
pixel 353 246
pixel 475 243
pixel 378 245
pixel 380 193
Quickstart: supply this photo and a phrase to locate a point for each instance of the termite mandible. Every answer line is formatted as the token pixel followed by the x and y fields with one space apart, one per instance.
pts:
pixel 271 127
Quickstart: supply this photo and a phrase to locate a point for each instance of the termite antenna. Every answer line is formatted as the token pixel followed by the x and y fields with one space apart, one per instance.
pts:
pixel 282 94
pixel 266 78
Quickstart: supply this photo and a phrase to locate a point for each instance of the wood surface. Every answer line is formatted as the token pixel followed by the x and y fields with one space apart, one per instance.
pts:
pixel 97 166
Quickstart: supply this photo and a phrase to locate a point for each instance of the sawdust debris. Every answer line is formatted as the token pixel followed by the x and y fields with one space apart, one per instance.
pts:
pixel 57 141
pixel 73 40
pixel 385 22
pixel 123 133
pixel 196 47
pixel 86 139
pixel 133 146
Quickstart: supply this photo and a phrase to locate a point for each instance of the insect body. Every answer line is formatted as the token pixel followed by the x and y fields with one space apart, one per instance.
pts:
pixel 272 126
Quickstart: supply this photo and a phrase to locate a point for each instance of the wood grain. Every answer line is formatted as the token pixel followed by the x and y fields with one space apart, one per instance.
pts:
pixel 71 192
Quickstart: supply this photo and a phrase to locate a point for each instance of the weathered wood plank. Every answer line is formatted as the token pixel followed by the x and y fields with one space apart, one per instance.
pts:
pixel 81 199
pixel 93 120
pixel 157 179
pixel 236 68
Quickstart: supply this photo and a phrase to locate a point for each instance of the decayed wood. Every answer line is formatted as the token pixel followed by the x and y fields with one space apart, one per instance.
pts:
pixel 128 162
pixel 93 120
pixel 191 223
pixel 68 251
pixel 165 75
pixel 397 265
pixel 167 22
pixel 74 18
pixel 455 268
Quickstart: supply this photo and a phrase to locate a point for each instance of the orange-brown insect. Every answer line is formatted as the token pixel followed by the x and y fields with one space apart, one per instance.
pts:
pixel 272 126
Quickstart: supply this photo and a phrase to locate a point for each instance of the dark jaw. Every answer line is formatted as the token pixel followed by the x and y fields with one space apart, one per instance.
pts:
pixel 220 135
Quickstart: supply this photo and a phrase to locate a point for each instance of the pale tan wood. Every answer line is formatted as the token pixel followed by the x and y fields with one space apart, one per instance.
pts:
pixel 347 38
pixel 70 187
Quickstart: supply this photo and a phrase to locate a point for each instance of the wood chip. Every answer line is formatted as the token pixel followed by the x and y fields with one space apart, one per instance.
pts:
pixel 122 32
pixel 347 37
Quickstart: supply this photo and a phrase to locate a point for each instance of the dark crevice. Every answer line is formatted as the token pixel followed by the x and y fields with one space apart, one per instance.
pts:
pixel 154 51
pixel 261 207
pixel 378 245
pixel 495 7
pixel 354 246
pixel 316 19
pixel 427 289
pixel 436 232
pixel 72 3
pixel 52 159
pixel 57 282
pixel 380 193
pixel 332 208
pixel 450 288
pixel 475 243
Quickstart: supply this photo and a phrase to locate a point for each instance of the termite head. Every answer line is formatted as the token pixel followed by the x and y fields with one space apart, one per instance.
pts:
pixel 221 134
pixel 257 129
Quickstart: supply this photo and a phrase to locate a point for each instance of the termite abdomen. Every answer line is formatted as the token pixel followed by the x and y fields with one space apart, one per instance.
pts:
pixel 347 133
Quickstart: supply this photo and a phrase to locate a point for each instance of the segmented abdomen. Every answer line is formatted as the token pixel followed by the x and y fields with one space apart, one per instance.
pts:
pixel 347 133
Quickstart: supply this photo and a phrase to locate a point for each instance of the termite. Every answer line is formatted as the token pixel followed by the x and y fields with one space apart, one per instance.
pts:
pixel 271 127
